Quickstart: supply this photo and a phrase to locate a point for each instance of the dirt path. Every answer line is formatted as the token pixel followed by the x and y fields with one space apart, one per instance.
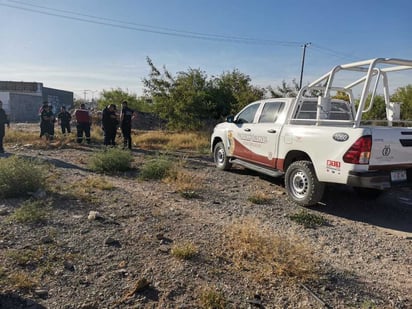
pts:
pixel 364 250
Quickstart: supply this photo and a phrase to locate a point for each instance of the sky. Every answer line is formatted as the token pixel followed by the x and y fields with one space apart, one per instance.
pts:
pixel 86 46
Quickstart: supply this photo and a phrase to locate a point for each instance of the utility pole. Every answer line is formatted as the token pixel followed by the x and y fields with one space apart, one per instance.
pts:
pixel 303 63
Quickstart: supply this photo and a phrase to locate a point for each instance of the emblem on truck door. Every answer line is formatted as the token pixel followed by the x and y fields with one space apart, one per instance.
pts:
pixel 386 151
pixel 340 137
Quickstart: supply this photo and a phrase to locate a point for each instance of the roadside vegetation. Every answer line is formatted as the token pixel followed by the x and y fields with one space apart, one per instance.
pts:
pixel 20 177
pixel 264 254
pixel 111 160
pixel 308 220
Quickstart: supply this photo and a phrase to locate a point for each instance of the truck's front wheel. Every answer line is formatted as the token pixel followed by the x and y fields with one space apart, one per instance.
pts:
pixel 220 157
pixel 302 185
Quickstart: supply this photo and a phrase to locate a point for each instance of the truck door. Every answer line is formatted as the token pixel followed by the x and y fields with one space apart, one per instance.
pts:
pixel 267 132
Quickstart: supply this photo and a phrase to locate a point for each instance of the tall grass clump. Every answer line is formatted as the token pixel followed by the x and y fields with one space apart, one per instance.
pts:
pixel 31 212
pixel 20 176
pixel 156 168
pixel 111 160
pixel 264 254
pixel 210 297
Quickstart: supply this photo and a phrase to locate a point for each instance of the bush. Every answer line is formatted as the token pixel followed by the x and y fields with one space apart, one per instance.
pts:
pixel 156 168
pixel 111 160
pixel 210 297
pixel 20 176
pixel 308 220
pixel 31 212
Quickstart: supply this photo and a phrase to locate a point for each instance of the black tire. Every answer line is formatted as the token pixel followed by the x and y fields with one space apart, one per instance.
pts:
pixel 302 185
pixel 367 193
pixel 220 157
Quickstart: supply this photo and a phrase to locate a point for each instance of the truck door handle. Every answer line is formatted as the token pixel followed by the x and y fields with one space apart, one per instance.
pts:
pixel 271 131
pixel 247 130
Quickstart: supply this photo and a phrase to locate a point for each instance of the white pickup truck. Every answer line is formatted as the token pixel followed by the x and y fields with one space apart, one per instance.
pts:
pixel 315 140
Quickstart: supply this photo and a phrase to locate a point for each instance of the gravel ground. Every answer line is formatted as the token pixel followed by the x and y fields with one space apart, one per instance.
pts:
pixel 122 258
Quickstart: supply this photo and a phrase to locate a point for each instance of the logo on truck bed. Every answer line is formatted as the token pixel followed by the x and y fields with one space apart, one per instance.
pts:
pixel 340 137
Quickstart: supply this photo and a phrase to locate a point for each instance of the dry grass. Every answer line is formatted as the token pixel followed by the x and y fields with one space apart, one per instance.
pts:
pixel 259 198
pixel 255 249
pixel 184 251
pixel 85 188
pixel 22 280
pixel 187 183
pixel 28 135
pixel 210 297
pixel 162 140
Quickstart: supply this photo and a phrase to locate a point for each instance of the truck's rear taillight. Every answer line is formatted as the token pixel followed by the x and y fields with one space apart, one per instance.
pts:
pixel 360 151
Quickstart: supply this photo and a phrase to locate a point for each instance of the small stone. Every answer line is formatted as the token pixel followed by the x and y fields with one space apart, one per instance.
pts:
pixel 109 241
pixel 46 240
pixel 93 215
pixel 68 265
pixel 42 293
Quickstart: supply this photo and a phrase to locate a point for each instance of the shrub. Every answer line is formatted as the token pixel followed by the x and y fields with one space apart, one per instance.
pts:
pixel 256 249
pixel 111 160
pixel 184 251
pixel 20 176
pixel 156 168
pixel 210 297
pixel 308 220
pixel 31 212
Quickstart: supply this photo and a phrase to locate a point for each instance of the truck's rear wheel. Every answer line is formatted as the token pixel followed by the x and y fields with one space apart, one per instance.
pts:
pixel 302 185
pixel 220 157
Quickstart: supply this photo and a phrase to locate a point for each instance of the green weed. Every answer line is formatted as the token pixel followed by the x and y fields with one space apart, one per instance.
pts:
pixel 308 220
pixel 111 160
pixel 20 176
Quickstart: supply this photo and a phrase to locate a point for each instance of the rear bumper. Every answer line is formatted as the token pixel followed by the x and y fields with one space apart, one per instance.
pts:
pixel 377 180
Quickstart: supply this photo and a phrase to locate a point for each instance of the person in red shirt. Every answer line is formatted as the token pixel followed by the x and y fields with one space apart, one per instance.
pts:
pixel 84 121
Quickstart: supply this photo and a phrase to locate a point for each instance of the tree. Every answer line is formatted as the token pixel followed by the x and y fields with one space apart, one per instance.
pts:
pixel 234 91
pixel 285 90
pixel 191 100
pixel 378 110
pixel 404 95
pixel 117 96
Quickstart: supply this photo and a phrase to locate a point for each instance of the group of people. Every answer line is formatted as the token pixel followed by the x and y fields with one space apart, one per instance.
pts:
pixel 110 123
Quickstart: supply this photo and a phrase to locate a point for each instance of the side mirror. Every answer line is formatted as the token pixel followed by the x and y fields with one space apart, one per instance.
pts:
pixel 230 119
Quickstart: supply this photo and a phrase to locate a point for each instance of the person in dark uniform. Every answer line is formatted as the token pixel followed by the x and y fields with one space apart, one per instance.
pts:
pixel 64 118
pixel 3 121
pixel 47 122
pixel 43 122
pixel 84 121
pixel 126 117
pixel 109 124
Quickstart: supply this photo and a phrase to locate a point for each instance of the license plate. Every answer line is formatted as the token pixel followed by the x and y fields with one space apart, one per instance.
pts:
pixel 399 175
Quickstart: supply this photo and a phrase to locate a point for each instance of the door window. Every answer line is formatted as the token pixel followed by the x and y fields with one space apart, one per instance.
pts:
pixel 270 112
pixel 248 114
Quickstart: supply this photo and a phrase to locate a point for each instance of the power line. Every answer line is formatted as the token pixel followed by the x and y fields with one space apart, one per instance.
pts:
pixel 144 28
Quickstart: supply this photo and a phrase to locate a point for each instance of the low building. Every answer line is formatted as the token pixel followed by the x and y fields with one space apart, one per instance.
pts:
pixel 22 100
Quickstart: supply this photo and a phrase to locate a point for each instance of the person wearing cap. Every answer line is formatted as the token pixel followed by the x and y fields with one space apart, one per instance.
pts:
pixel 109 125
pixel 4 120
pixel 126 116
pixel 64 118
pixel 84 121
